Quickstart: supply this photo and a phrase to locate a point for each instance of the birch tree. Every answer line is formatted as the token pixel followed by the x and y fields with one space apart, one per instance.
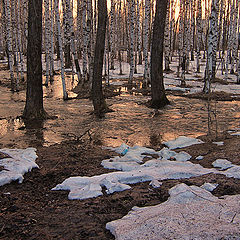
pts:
pixel 212 46
pixel 145 40
pixel 59 33
pixel 112 20
pixel 47 39
pixel 132 20
pixel 167 39
pixel 199 33
pixel 9 40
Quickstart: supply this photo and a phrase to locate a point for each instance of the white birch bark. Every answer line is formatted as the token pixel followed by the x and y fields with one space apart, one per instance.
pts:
pixel 199 33
pixel 47 40
pixel 51 49
pixel 85 39
pixel 138 24
pixel 19 40
pixel 15 40
pixel 9 41
pixel 132 20
pixel 120 31
pixel 57 18
pixel 167 39
pixel 90 42
pixel 235 36
pixel 212 46
pixel 112 19
pixel 145 40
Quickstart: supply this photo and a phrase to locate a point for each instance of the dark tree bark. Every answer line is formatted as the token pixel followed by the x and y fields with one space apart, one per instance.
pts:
pixel 34 97
pixel 99 103
pixel 159 98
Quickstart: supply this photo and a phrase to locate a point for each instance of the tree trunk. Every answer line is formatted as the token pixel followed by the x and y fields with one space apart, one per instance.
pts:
pixel 34 98
pixel 99 103
pixel 159 98
pixel 212 46
pixel 9 41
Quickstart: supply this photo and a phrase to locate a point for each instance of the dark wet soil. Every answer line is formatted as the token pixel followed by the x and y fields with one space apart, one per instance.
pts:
pixel 32 211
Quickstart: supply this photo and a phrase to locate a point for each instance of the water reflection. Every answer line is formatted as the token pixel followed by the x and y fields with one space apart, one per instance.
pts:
pixel 54 89
pixel 131 122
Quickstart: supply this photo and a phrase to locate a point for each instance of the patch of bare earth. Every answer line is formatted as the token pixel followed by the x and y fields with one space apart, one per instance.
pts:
pixel 32 211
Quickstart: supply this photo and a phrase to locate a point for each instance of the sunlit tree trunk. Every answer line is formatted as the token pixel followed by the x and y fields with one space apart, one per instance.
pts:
pixel 65 96
pixel 51 50
pixel 159 98
pixel 212 46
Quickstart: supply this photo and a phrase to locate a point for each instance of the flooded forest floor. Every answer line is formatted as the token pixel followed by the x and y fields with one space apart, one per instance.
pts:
pixel 71 145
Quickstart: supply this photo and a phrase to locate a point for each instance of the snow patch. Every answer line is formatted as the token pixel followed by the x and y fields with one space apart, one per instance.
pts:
pixel 219 143
pixel 182 142
pixel 199 157
pixel 189 213
pixel 209 186
pixel 223 164
pixel 20 162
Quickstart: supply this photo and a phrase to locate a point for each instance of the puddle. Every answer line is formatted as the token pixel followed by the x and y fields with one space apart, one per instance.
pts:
pixel 131 122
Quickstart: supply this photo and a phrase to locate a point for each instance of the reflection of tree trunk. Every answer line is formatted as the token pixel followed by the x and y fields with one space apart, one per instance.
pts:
pixel 34 98
pixel 99 103
pixel 159 98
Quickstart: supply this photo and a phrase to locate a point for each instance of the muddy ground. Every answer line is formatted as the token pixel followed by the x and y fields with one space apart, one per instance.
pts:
pixel 71 145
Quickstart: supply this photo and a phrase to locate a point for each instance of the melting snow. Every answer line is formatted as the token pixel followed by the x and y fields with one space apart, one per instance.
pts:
pixel 223 164
pixel 189 213
pixel 19 162
pixel 131 169
pixel 182 142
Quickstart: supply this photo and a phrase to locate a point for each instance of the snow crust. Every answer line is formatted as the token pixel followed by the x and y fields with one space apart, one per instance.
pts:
pixel 182 142
pixel 189 213
pixel 223 164
pixel 20 162
pixel 209 186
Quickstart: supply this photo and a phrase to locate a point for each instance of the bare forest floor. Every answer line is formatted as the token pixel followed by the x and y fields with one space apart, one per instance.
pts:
pixel 71 145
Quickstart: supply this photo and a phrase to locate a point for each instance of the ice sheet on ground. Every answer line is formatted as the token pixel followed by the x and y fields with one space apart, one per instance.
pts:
pixel 189 213
pixel 182 142
pixel 223 164
pixel 20 162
